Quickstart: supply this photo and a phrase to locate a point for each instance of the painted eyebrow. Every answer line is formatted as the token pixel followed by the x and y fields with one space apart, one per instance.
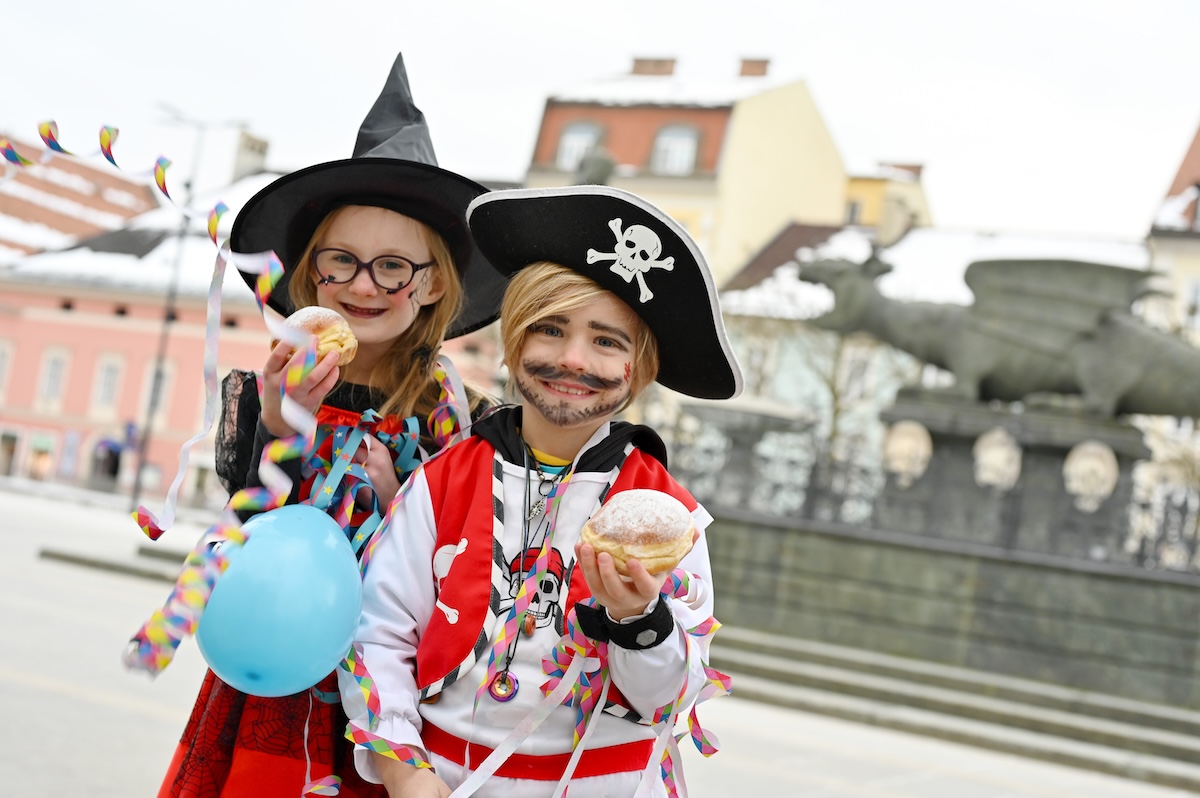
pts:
pixel 593 325
pixel 606 328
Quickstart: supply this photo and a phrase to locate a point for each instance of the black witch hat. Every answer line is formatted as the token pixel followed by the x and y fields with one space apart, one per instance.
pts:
pixel 393 167
pixel 630 248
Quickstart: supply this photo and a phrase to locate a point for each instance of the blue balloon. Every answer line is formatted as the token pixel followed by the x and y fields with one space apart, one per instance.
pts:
pixel 283 614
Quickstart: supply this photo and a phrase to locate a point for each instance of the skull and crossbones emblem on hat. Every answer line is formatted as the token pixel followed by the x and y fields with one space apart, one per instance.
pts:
pixel 635 253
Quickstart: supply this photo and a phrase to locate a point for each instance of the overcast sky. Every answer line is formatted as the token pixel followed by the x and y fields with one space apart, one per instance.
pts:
pixel 1056 115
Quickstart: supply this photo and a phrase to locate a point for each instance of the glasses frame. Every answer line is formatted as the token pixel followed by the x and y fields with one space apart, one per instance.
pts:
pixel 360 264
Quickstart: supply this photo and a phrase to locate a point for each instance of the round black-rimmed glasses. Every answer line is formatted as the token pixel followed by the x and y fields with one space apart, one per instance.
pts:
pixel 389 272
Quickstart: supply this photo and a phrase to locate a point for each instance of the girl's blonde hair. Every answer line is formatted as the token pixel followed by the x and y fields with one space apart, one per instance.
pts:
pixel 405 373
pixel 547 289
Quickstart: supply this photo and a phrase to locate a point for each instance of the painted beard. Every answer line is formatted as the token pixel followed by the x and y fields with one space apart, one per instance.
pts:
pixel 562 414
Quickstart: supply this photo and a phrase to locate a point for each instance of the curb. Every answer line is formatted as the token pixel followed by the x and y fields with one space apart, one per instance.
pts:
pixel 200 516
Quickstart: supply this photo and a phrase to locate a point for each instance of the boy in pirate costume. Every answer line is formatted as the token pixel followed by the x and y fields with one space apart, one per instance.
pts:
pixel 482 612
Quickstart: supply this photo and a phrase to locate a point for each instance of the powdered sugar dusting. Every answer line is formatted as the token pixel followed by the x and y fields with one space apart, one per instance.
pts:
pixel 314 317
pixel 641 516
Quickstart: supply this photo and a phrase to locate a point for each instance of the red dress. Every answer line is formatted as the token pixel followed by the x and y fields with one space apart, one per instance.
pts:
pixel 242 746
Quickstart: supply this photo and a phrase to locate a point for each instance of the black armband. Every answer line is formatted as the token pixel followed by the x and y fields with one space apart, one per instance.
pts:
pixel 643 633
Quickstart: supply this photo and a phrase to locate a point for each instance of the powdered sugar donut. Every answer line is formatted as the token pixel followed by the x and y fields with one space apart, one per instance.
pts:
pixel 649 526
pixel 332 331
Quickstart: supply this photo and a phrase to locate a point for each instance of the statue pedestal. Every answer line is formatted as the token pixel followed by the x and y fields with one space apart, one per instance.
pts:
pixel 722 463
pixel 1037 513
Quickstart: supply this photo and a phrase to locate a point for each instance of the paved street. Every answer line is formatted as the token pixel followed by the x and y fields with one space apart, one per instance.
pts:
pixel 76 724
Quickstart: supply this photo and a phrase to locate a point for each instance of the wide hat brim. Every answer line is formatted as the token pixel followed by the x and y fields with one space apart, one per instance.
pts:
pixel 630 248
pixel 283 216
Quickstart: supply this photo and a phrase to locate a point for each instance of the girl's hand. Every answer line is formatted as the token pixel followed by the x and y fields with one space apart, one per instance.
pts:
pixel 376 460
pixel 311 391
pixel 402 780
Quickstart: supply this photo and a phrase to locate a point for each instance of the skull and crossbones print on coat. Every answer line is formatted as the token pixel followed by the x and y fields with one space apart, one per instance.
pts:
pixel 545 605
pixel 635 253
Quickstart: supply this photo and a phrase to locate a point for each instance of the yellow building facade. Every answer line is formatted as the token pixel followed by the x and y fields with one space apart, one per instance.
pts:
pixel 734 160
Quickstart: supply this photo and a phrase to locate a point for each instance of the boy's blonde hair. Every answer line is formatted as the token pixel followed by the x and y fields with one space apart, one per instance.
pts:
pixel 405 374
pixel 547 289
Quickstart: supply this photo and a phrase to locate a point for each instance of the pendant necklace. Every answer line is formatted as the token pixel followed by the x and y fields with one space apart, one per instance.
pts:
pixel 504 684
pixel 546 483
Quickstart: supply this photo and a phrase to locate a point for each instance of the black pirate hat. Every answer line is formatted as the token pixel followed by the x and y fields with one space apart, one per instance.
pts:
pixel 630 248
pixel 393 167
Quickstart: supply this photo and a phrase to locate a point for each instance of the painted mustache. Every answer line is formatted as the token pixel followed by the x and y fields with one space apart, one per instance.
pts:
pixel 542 371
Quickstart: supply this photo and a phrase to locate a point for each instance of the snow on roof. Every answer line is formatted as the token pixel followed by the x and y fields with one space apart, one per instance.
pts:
pixel 116 271
pixel 144 262
pixel 781 295
pixel 928 265
pixel 887 171
pixel 9 254
pixel 34 235
pixel 234 196
pixel 1172 214
pixel 678 90
pixel 67 207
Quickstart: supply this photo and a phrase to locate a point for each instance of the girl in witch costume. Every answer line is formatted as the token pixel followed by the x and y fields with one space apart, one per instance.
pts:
pixel 380 238
pixel 450 686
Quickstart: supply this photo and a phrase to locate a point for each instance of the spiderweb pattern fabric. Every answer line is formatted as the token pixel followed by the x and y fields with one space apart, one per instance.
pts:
pixel 237 746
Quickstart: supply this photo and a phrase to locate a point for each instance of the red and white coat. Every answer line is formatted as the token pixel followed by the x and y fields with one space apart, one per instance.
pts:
pixel 430 594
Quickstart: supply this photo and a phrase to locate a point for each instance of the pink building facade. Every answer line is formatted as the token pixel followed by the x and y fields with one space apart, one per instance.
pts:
pixel 80 335
pixel 77 366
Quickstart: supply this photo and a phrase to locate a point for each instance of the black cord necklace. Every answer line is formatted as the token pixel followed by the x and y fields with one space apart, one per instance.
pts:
pixel 546 483
pixel 504 684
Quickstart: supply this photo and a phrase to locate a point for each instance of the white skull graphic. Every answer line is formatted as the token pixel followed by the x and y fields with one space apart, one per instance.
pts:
pixel 546 601
pixel 544 597
pixel 636 253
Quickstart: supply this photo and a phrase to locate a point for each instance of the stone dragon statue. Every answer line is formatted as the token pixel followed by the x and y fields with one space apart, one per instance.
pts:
pixel 1037 327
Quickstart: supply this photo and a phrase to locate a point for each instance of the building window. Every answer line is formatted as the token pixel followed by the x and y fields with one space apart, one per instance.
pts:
pixel 41 456
pixel 106 388
pixel 163 401
pixel 5 360
pixel 9 442
pixel 576 140
pixel 675 151
pixel 51 381
pixel 853 212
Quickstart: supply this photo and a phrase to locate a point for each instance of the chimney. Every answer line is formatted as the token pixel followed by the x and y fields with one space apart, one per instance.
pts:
pixel 251 157
pixel 754 67
pixel 653 66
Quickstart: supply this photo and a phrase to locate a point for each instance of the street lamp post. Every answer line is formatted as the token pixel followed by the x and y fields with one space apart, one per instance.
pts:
pixel 169 310
pixel 159 362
